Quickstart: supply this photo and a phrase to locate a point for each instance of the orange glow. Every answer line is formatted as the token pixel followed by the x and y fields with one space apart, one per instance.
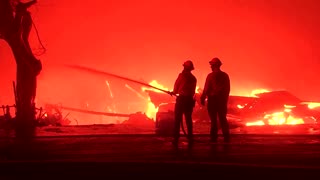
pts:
pixel 150 39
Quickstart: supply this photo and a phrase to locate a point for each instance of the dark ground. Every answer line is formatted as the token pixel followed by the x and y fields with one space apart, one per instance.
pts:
pixel 73 152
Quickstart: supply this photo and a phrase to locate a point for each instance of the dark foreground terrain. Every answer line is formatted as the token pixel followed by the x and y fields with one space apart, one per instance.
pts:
pixel 88 153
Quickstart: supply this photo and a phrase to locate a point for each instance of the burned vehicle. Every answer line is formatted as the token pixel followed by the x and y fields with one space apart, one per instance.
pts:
pixel 278 108
pixel 269 109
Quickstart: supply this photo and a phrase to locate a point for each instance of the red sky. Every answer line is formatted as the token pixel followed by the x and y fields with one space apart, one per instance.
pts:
pixel 270 44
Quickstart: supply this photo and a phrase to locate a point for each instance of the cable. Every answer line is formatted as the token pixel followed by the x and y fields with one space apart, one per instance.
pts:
pixel 35 27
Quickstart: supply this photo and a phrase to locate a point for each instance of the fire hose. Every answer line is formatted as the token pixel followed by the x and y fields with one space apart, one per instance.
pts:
pixel 95 71
pixel 116 76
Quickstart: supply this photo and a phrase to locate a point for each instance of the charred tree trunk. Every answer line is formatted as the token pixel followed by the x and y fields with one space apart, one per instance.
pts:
pixel 15 31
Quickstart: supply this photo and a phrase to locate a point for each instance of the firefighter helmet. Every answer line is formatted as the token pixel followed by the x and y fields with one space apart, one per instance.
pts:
pixel 215 61
pixel 188 64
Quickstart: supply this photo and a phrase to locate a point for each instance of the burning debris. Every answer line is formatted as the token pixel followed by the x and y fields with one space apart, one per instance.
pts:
pixel 6 120
pixel 278 108
pixel 269 108
pixel 49 116
pixel 264 108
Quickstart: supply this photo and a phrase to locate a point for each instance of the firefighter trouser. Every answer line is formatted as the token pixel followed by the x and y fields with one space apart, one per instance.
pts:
pixel 183 107
pixel 217 108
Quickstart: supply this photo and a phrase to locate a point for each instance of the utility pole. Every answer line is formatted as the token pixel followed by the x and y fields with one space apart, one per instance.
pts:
pixel 15 26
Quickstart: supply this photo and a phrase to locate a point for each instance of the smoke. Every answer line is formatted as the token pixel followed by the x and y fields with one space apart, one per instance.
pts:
pixel 267 44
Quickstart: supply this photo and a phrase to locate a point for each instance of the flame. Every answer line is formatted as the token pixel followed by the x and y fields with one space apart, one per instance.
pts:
pixel 239 106
pixel 278 118
pixel 284 117
pixel 312 105
pixel 257 123
pixel 287 108
pixel 151 109
pixel 155 84
pixel 198 90
pixel 258 91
